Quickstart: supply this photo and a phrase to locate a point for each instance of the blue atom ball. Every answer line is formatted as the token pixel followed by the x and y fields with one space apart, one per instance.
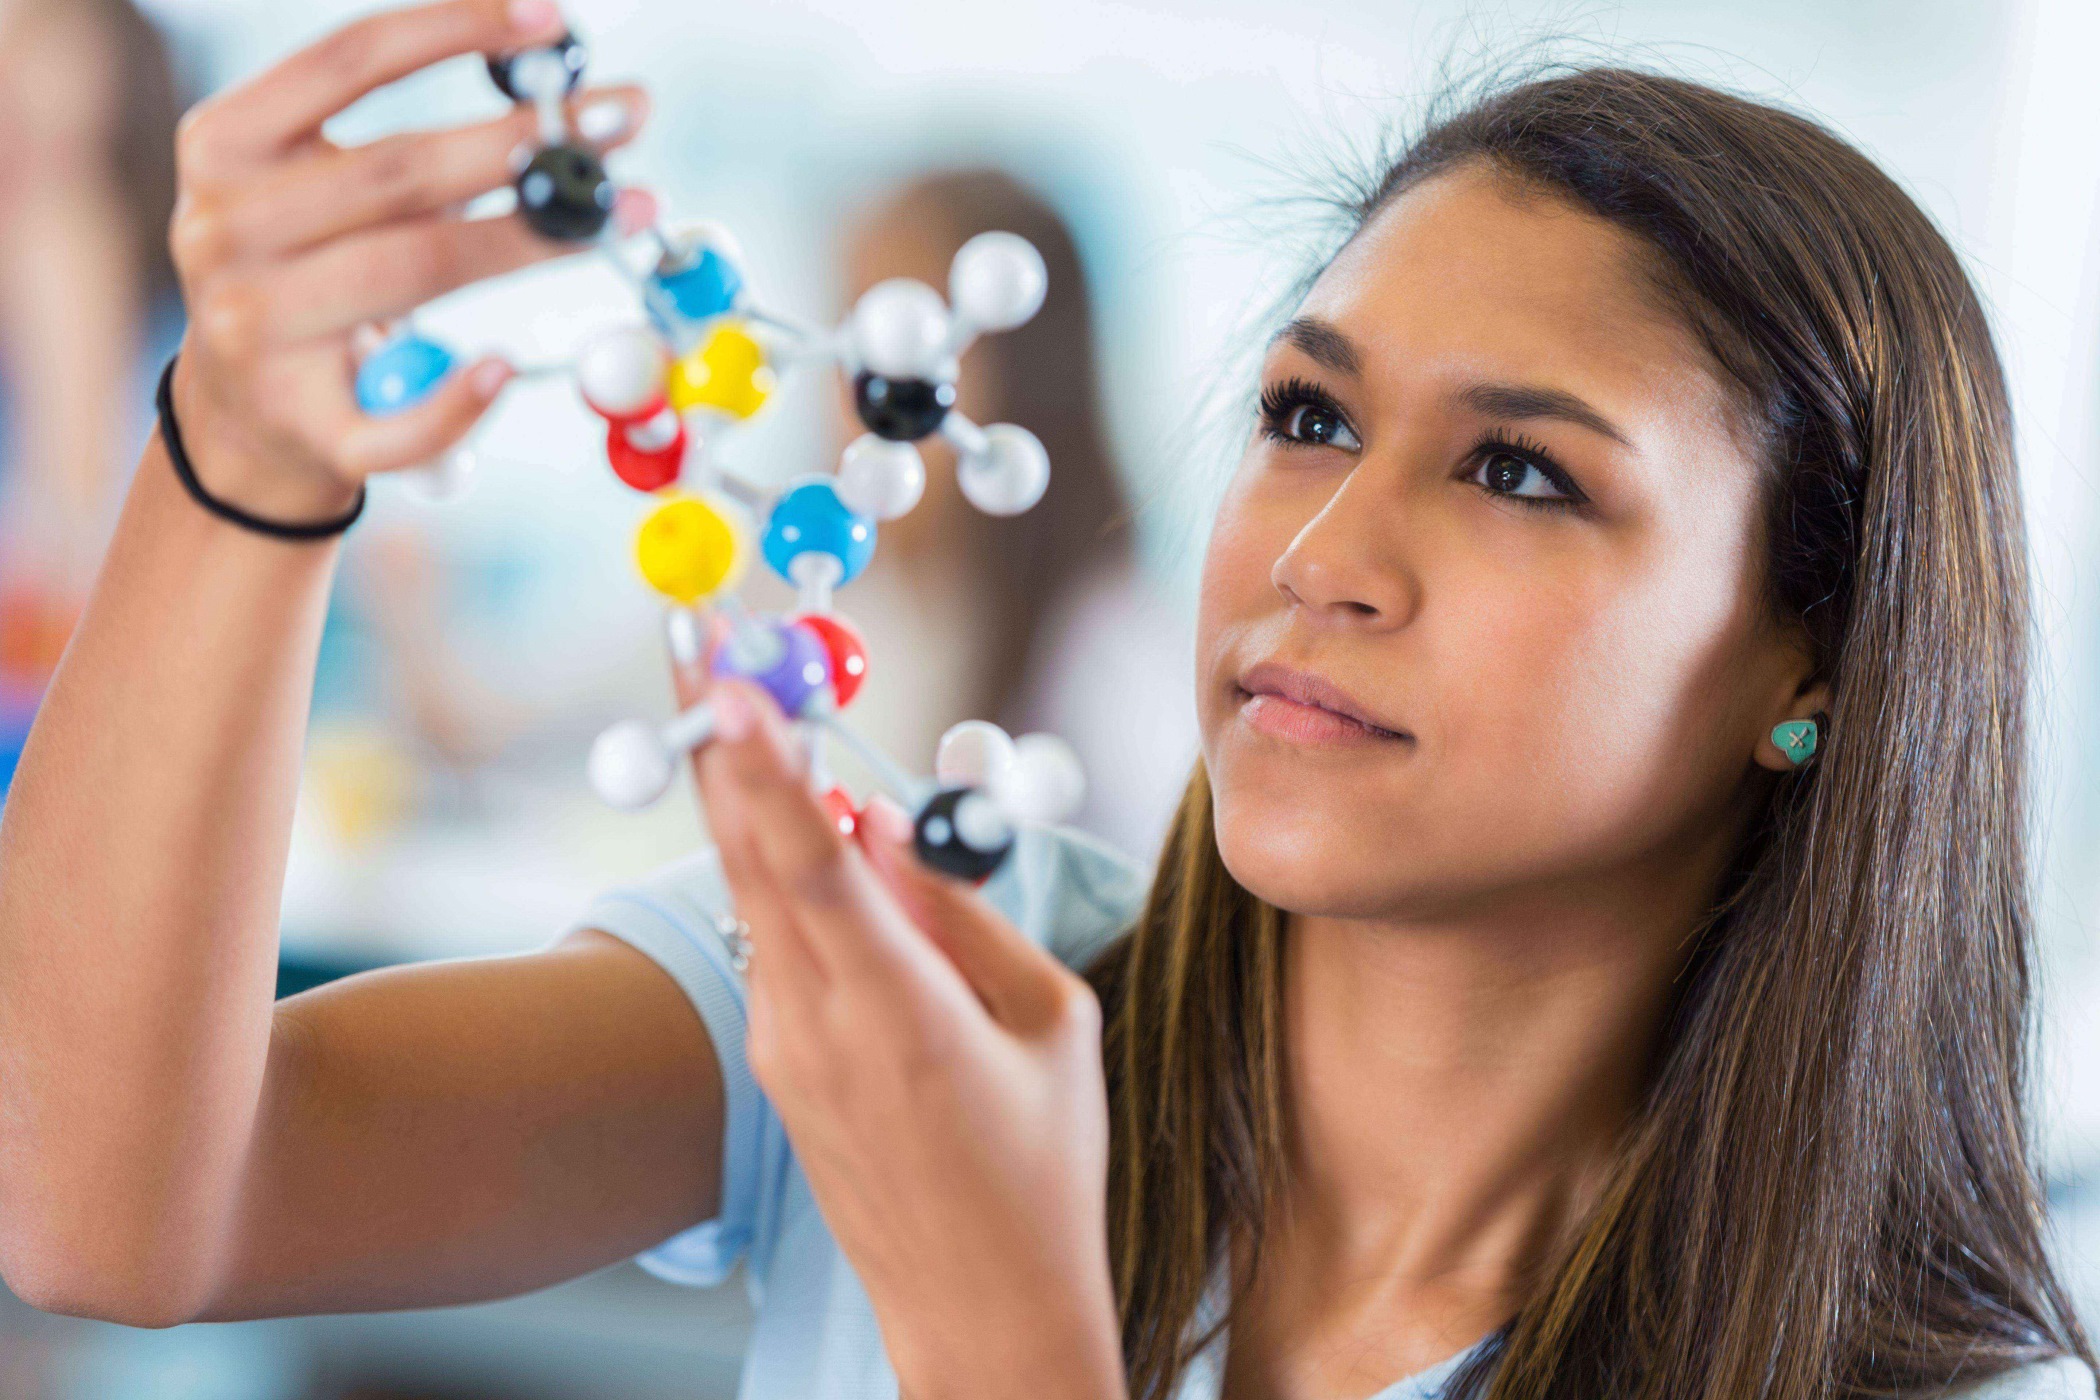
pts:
pixel 811 519
pixel 401 374
pixel 709 288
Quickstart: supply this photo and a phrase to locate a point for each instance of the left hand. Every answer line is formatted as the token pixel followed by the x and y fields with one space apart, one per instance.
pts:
pixel 938 1073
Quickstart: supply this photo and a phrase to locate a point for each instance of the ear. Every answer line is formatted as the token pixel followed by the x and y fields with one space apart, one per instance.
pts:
pixel 1810 700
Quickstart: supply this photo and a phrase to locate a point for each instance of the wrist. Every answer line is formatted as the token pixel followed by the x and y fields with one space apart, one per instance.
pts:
pixel 235 469
pixel 1052 1353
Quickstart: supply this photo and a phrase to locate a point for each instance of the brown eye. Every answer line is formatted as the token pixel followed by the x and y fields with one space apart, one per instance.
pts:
pixel 1319 427
pixel 1300 414
pixel 1507 474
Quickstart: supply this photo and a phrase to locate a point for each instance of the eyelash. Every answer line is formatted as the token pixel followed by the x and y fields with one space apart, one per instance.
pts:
pixel 1280 401
pixel 1534 455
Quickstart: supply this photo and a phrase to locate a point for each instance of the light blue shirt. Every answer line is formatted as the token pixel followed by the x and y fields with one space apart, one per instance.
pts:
pixel 816 1337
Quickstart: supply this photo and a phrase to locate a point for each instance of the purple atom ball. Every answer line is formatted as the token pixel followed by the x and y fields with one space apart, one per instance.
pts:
pixel 794 669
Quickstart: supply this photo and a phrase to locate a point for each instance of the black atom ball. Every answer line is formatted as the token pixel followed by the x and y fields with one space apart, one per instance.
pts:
pixel 946 826
pixel 574 57
pixel 565 194
pixel 902 410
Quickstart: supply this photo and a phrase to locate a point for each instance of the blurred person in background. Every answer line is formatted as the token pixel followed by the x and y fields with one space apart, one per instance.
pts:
pixel 88 106
pixel 1042 621
pixel 89 310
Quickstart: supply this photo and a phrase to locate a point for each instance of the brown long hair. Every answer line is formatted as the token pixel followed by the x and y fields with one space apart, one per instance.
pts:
pixel 1828 1189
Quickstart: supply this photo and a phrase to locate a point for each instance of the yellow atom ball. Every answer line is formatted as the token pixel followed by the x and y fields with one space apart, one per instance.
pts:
pixel 691 548
pixel 729 374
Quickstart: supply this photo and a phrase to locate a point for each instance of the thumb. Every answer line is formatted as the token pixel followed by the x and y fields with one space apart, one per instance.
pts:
pixel 366 445
pixel 1020 983
pixel 685 638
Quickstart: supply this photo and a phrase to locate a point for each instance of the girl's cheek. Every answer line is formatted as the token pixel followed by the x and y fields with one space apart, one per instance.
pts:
pixel 1255 524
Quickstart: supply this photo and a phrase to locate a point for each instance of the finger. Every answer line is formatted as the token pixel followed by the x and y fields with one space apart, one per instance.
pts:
pixel 852 927
pixel 778 942
pixel 358 445
pixel 1020 983
pixel 685 640
pixel 759 903
pixel 287 104
pixel 781 957
pixel 339 191
pixel 384 273
pixel 770 915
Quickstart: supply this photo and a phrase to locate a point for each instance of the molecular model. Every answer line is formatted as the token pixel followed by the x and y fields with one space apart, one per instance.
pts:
pixel 705 361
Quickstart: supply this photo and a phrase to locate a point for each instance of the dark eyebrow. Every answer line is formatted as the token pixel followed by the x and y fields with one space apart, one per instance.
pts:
pixel 1323 343
pixel 1530 401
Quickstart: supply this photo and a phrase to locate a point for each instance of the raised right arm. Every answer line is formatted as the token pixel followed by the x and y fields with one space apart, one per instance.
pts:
pixel 172 1145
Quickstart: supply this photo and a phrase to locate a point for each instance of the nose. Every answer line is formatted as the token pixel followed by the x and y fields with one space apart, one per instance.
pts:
pixel 1348 564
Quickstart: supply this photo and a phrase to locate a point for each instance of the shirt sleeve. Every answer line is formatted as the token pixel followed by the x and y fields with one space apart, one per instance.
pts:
pixel 1064 889
pixel 675 918
pixel 1068 891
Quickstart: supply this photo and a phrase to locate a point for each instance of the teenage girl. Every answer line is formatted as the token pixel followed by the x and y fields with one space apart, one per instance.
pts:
pixel 1592 958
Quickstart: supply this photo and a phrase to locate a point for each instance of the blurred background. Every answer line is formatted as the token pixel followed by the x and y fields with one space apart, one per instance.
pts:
pixel 1156 150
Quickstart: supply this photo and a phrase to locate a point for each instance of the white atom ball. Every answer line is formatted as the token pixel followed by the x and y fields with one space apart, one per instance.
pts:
pixel 629 768
pixel 1044 783
pixel 880 478
pixel 972 754
pixel 998 281
pixel 622 373
pixel 900 329
pixel 1010 475
pixel 693 236
pixel 445 480
pixel 980 824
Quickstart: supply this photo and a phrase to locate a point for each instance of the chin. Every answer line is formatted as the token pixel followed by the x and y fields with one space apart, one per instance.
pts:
pixel 1326 858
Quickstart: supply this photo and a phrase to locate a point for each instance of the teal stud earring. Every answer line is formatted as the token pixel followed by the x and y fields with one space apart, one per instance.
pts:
pixel 1796 738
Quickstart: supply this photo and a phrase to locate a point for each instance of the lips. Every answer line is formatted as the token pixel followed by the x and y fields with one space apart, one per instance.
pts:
pixel 1304 708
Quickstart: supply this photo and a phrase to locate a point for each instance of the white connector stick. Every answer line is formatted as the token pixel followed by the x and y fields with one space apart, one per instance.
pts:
pixel 542 79
pixel 816 575
pixel 907 790
pixel 967 437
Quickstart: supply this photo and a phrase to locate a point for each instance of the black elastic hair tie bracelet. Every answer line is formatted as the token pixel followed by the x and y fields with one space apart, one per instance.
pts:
pixel 171 438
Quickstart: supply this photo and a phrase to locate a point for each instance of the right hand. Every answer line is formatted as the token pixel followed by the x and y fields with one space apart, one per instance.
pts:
pixel 287 243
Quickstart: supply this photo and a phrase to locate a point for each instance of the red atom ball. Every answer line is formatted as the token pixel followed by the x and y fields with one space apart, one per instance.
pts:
pixel 848 653
pixel 843 813
pixel 644 471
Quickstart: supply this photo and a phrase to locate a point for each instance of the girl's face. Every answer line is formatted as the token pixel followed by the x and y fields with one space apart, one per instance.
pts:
pixel 1480 618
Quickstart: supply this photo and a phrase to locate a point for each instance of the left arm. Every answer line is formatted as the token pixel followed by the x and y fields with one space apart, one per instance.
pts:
pixel 939 1075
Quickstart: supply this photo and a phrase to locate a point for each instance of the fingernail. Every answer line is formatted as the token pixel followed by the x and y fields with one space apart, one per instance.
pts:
pixel 633 211
pixel 533 18
pixel 606 119
pixel 887 820
pixel 682 633
pixel 734 718
pixel 489 377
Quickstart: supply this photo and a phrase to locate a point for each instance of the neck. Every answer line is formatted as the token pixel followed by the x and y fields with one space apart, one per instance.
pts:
pixel 1457 1089
pixel 1452 1089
